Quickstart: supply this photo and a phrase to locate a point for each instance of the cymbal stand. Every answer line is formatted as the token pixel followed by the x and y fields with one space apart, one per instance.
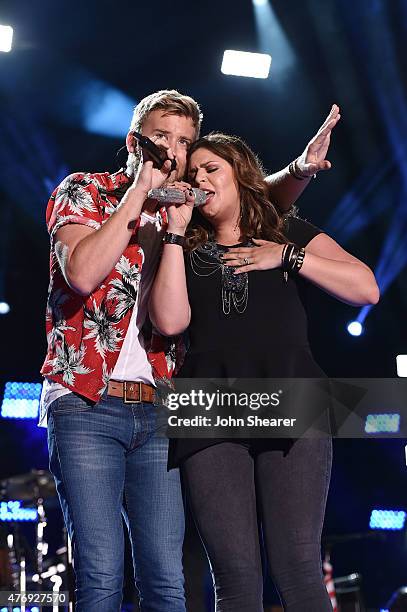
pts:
pixel 42 546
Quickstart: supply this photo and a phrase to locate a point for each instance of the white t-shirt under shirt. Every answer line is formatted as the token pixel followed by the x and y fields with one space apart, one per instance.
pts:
pixel 132 363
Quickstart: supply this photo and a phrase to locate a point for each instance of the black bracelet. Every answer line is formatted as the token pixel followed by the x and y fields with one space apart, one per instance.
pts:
pixel 292 169
pixel 292 258
pixel 170 238
pixel 299 260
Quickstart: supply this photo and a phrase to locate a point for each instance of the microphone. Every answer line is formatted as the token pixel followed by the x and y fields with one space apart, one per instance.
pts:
pixel 157 155
pixel 168 195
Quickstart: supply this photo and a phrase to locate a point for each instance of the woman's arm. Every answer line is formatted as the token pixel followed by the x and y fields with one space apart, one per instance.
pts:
pixel 326 265
pixel 169 308
pixel 284 189
pixel 330 267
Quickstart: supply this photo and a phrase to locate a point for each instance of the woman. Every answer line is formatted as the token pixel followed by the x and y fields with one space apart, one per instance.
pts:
pixel 239 289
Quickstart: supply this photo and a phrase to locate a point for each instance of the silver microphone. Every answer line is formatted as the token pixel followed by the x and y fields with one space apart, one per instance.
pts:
pixel 170 195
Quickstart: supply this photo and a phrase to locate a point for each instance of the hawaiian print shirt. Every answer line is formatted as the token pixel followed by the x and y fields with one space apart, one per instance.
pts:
pixel 85 333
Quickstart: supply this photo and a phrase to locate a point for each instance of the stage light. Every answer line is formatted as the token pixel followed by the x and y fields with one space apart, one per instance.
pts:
pixel 401 362
pixel 35 609
pixel 6 38
pixel 272 39
pixel 12 511
pixel 387 519
pixel 242 63
pixel 382 423
pixel 355 328
pixel 4 308
pixel 21 400
pixel 105 110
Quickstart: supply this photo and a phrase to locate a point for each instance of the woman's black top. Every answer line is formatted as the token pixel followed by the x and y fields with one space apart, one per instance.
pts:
pixel 268 340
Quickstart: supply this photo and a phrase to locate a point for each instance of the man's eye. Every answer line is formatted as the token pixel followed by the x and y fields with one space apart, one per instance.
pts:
pixel 184 142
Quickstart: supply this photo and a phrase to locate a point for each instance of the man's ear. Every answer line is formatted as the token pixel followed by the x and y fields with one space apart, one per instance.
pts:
pixel 131 143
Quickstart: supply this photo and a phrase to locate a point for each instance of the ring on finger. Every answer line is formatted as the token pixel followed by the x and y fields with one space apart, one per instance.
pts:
pixel 246 261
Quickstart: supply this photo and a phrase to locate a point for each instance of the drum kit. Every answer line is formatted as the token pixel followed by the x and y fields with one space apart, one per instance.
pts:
pixel 21 569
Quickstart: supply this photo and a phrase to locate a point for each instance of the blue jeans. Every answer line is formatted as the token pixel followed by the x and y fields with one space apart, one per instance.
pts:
pixel 101 456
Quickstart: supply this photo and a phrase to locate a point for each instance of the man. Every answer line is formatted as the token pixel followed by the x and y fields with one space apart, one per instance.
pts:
pixel 106 451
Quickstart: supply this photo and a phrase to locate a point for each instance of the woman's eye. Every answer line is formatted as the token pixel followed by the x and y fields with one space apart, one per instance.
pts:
pixel 209 170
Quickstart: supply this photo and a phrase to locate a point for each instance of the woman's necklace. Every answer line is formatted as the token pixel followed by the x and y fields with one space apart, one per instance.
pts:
pixel 206 260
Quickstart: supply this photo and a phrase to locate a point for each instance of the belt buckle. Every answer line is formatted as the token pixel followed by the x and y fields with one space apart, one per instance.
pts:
pixel 131 401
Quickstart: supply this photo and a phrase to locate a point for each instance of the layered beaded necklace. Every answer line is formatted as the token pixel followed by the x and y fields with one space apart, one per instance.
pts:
pixel 234 287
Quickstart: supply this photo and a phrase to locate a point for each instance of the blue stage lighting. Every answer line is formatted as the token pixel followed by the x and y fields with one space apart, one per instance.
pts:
pixel 382 423
pixel 105 110
pixel 355 328
pixel 273 40
pixel 4 308
pixel 21 400
pixel 387 519
pixel 12 511
pixel 35 609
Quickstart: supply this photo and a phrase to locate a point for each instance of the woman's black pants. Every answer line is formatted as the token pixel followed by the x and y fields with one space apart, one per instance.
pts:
pixel 277 488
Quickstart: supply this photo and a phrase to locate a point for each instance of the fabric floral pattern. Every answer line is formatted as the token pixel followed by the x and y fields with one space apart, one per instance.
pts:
pixel 85 333
pixel 125 289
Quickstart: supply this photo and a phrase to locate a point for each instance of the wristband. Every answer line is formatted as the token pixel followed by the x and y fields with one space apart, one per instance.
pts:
pixel 292 258
pixel 170 238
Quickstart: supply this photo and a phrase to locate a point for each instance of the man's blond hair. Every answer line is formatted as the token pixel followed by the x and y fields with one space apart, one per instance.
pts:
pixel 170 101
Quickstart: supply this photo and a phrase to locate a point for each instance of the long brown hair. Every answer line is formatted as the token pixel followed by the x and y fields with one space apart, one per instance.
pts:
pixel 259 218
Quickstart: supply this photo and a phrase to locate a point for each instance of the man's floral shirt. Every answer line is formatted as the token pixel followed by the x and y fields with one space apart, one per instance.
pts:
pixel 85 333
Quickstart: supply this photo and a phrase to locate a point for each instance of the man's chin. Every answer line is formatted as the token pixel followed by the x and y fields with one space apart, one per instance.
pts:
pixel 172 178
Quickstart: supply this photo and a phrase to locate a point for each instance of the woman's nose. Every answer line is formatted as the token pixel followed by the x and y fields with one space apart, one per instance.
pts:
pixel 200 178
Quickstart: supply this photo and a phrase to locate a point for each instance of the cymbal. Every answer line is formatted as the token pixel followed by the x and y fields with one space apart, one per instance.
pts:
pixel 34 485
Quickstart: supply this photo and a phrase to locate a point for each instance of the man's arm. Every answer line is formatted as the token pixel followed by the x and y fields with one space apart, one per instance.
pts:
pixel 86 255
pixel 284 188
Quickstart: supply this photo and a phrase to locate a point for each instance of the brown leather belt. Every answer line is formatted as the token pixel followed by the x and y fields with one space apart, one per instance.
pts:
pixel 131 392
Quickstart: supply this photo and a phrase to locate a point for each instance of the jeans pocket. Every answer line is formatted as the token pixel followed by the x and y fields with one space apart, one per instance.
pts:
pixel 70 403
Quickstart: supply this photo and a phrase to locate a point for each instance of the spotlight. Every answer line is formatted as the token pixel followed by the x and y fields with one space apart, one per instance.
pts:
pixel 259 2
pixel 13 511
pixel 6 38
pixel 387 519
pixel 355 328
pixel 242 63
pixel 401 362
pixel 4 308
pixel 21 400
pixel 382 423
